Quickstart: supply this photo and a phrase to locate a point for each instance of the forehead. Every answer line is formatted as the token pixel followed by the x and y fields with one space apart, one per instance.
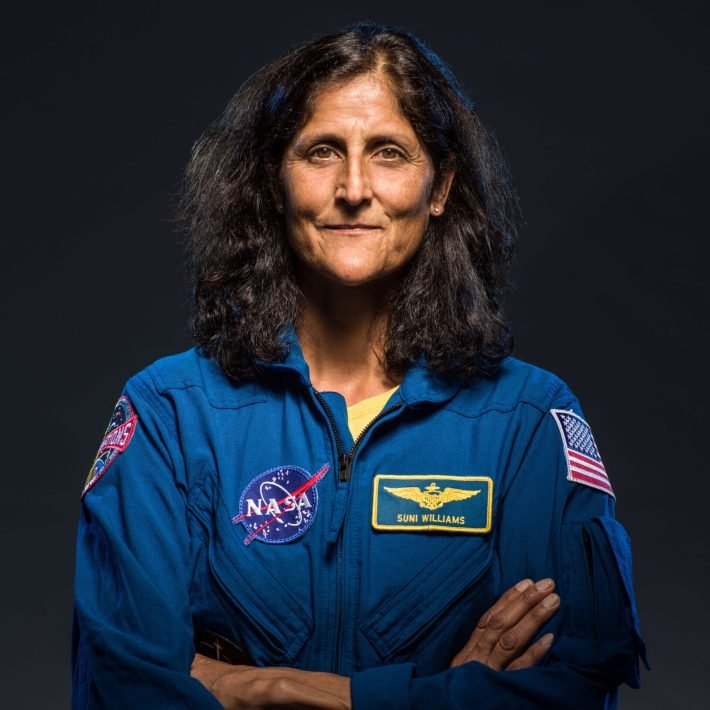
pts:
pixel 365 101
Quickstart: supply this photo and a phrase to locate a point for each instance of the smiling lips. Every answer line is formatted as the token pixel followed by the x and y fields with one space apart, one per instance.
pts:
pixel 357 227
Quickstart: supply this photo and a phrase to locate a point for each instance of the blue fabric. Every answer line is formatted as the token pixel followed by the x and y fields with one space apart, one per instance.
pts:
pixel 158 553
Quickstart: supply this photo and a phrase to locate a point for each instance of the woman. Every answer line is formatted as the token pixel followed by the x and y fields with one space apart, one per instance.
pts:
pixel 351 226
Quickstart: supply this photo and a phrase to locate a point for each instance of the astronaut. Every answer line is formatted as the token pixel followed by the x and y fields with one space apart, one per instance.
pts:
pixel 349 478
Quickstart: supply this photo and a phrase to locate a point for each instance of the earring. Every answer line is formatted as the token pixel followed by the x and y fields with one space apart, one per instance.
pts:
pixel 436 209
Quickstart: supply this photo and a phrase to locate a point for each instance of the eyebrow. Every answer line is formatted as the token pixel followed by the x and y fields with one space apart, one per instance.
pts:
pixel 326 137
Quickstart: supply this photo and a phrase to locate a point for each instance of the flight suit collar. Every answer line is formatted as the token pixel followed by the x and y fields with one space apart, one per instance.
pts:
pixel 420 384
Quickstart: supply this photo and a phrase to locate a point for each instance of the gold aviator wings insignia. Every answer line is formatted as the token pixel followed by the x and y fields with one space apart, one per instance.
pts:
pixel 431 497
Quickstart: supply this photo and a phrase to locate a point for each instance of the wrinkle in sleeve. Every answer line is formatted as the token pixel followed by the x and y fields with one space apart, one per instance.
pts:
pixel 133 636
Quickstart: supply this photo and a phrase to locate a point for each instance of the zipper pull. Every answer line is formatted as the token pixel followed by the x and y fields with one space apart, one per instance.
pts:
pixel 344 464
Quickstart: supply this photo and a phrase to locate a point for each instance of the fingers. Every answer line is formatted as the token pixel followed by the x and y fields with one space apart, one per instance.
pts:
pixel 510 631
pixel 503 633
pixel 533 655
pixel 511 595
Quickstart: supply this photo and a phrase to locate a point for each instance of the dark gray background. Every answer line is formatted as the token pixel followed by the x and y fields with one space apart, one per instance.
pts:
pixel 602 112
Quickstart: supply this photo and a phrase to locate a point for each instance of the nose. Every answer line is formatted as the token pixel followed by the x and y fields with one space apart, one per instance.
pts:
pixel 354 183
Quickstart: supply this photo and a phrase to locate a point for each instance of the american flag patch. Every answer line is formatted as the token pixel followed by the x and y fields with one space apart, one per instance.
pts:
pixel 584 464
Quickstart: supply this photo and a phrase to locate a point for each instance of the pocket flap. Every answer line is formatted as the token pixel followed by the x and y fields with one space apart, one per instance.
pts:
pixel 413 608
pixel 620 545
pixel 272 613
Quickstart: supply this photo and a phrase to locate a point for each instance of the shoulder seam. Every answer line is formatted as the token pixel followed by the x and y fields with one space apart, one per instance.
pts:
pixel 152 399
pixel 542 405
pixel 235 402
pixel 160 383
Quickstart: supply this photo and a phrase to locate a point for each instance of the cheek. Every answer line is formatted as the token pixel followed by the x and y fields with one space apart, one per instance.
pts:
pixel 306 193
pixel 406 196
pixel 302 204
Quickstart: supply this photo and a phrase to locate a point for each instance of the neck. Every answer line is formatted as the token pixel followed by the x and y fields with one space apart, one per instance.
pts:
pixel 340 334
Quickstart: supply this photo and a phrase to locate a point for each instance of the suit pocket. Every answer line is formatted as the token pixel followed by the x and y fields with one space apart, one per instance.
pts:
pixel 601 619
pixel 271 621
pixel 429 618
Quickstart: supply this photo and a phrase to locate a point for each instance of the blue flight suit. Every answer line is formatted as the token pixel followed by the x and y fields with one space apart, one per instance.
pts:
pixel 244 509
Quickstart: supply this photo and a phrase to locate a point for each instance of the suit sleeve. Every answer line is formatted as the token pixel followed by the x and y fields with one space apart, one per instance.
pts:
pixel 547 526
pixel 133 636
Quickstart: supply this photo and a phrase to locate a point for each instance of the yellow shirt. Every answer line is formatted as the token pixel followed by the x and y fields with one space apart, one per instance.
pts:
pixel 363 412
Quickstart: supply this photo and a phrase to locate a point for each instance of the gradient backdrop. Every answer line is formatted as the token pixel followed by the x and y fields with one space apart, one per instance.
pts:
pixel 602 112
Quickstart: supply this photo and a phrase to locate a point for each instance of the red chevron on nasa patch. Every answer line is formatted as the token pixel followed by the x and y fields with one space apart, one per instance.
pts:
pixel 584 463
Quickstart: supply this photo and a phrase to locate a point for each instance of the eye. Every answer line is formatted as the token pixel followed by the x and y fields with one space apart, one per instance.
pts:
pixel 322 152
pixel 390 153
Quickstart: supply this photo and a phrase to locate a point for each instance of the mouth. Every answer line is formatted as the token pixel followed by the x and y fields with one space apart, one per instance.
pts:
pixel 355 228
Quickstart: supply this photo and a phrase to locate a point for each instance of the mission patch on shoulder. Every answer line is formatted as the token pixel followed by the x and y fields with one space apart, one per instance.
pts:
pixel 432 502
pixel 116 439
pixel 584 463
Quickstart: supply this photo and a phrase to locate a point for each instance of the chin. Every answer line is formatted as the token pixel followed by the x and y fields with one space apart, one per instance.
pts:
pixel 349 279
pixel 360 277
pixel 349 272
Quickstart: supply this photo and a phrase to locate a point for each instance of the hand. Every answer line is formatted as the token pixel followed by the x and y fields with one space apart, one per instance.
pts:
pixel 250 688
pixel 501 637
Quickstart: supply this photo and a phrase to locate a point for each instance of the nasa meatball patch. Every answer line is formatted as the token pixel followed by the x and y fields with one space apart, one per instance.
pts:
pixel 116 439
pixel 279 505
pixel 584 463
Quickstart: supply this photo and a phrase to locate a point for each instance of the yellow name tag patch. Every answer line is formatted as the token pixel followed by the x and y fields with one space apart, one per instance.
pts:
pixel 432 502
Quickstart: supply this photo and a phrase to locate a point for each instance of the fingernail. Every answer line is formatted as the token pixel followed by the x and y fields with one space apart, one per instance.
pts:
pixel 522 586
pixel 552 600
pixel 543 584
pixel 547 640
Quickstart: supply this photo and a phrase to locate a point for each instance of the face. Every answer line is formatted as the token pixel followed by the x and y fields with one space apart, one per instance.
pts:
pixel 357 185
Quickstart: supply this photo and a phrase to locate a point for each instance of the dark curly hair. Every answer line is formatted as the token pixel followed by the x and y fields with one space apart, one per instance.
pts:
pixel 448 306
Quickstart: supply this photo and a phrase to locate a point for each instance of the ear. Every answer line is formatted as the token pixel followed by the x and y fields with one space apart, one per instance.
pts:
pixel 276 189
pixel 440 192
pixel 278 200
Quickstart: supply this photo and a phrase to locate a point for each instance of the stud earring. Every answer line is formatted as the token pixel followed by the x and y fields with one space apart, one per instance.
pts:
pixel 436 209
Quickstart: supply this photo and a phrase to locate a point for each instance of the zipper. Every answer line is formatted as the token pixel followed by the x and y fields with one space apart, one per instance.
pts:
pixel 345 461
pixel 590 565
pixel 331 419
pixel 344 474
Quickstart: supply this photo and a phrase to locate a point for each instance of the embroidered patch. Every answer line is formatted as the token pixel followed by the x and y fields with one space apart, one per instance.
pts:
pixel 280 504
pixel 116 439
pixel 584 464
pixel 432 502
